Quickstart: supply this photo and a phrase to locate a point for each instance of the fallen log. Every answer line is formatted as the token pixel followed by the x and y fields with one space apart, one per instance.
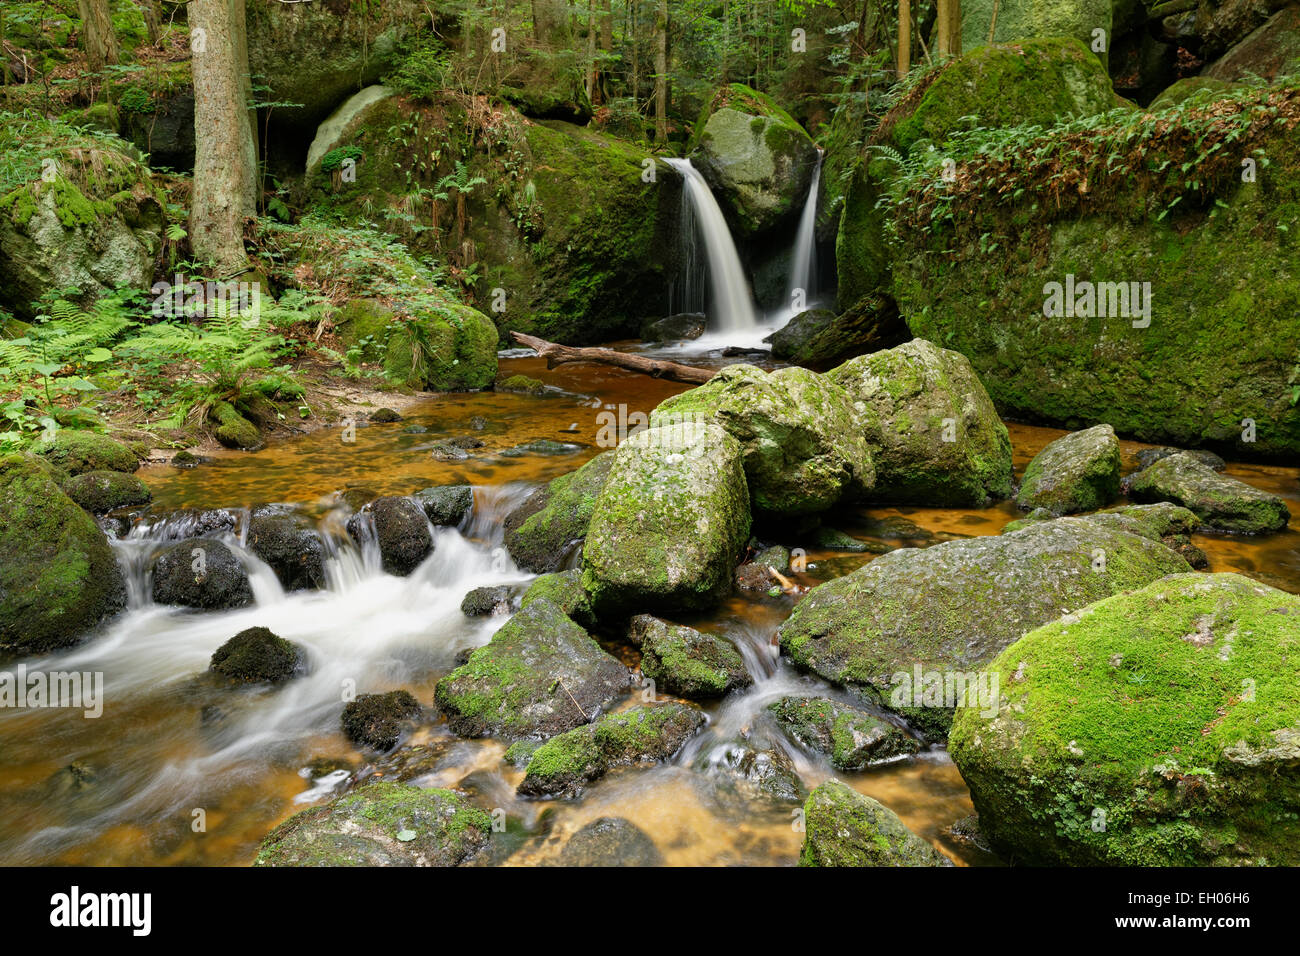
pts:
pixel 556 354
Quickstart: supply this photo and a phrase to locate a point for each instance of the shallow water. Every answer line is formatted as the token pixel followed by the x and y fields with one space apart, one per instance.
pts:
pixel 170 752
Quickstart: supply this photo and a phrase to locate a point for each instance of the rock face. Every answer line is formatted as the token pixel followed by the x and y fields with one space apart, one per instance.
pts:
pixel 797 431
pixel 381 824
pixel 376 720
pixel 1156 728
pixel 200 573
pixel 58 576
pixel 670 522
pixel 852 738
pixel 1078 472
pixel 564 590
pixel 756 158
pixel 77 452
pixel 255 656
pixel 101 491
pixel 819 339
pixel 686 662
pixel 1221 502
pixel 953 607
pixel 934 435
pixel 295 552
pixel 540 675
pixel 400 530
pixel 1271 50
pixel 542 533
pixel 564 765
pixel 847 828
pixel 610 841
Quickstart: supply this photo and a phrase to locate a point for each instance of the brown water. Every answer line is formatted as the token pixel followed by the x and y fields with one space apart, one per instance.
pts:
pixel 125 788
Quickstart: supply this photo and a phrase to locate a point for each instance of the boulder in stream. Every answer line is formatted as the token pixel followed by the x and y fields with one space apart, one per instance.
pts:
pixel 853 738
pixel 294 551
pixel 563 589
pixel 1076 472
pixel 377 720
pixel 847 828
pixel 685 662
pixel 255 656
pixel 1221 502
pixel 401 531
pixel 610 841
pixel 683 325
pixel 102 491
pixel 200 573
pixel 740 776
pixel 542 532
pixel 76 452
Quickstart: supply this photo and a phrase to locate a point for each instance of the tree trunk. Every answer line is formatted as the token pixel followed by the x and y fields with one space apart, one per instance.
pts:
pixel 661 72
pixel 904 37
pixel 239 43
pixel 97 34
pixel 948 28
pixel 224 179
pixel 152 25
pixel 591 51
pixel 636 54
pixel 556 354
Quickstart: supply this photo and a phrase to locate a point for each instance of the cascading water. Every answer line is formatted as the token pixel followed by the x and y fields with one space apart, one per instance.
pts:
pixel 802 290
pixel 731 308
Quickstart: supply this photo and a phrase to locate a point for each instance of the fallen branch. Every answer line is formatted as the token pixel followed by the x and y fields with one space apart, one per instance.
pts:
pixel 556 354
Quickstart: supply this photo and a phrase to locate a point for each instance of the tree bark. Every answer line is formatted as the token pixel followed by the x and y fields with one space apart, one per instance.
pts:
pixel 250 144
pixel 948 28
pixel 591 51
pixel 97 34
pixel 556 354
pixel 224 179
pixel 904 37
pixel 152 24
pixel 661 72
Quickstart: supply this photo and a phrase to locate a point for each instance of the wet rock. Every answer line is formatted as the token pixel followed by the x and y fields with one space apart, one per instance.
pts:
pixel 1223 503
pixel 756 575
pixel 377 720
pixel 200 573
pixel 685 662
pixel 193 523
pixel 803 451
pixel 563 589
pixel 101 491
pixel 520 752
pixel 400 529
pixel 1167 713
pixel 521 384
pixel 186 459
pixel 670 522
pixel 77 452
pixel 565 764
pixel 951 608
pixel 1077 472
pixel 832 539
pixel 542 446
pixel 1149 456
pixel 446 504
pixel 683 325
pixel 610 841
pixel 415 430
pixel 542 532
pixel 383 416
pixel 381 824
pixel 233 429
pixel 820 339
pixel 934 434
pixel 405 764
pixel 794 337
pixel 847 828
pixel 741 775
pixel 490 600
pixel 446 451
pixel 853 738
pixel 294 551
pixel 256 655
pixel 540 675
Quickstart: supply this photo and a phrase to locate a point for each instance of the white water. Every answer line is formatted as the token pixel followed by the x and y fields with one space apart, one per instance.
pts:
pixel 731 308
pixel 803 266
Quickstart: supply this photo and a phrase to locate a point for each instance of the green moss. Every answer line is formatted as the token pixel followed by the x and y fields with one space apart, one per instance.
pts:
pixel 102 491
pixel 77 452
pixel 233 429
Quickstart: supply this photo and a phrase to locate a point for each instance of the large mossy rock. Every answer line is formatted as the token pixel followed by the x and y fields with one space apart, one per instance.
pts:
pixel 381 824
pixel 1270 51
pixel 847 828
pixel 953 607
pixel 758 160
pixel 58 576
pixel 670 522
pixel 686 662
pixel 540 675
pixel 257 655
pixel 1025 19
pixel 295 551
pixel 934 435
pixel 1220 501
pixel 1150 729
pixel 1077 472
pixel 102 491
pixel 78 452
pixel 803 451
pixel 541 533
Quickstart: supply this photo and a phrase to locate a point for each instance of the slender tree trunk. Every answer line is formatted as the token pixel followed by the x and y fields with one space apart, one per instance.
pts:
pixel 239 43
pixel 636 54
pixel 152 24
pixel 948 28
pixel 904 37
pixel 223 193
pixel 591 51
pixel 661 72
pixel 97 34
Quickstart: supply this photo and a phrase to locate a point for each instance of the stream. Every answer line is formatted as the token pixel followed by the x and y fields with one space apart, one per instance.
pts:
pixel 170 752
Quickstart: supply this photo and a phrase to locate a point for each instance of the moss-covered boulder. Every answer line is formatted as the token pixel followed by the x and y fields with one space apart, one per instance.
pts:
pixel 378 720
pixel 563 589
pixel 564 765
pixel 58 576
pixel 1154 728
pixel 802 450
pixel 820 339
pixel 1149 456
pixel 934 435
pixel 853 738
pixel 1220 501
pixel 294 550
pixel 232 429
pixel 670 523
pixel 199 573
pixel 1272 50
pixel 686 662
pixel 540 675
pixel 443 345
pixel 1024 19
pixel 398 528
pixel 77 452
pixel 758 160
pixel 845 828
pixel 256 655
pixel 950 609
pixel 1202 87
pixel 446 504
pixel 1077 472
pixel 543 532
pixel 102 491
pixel 381 824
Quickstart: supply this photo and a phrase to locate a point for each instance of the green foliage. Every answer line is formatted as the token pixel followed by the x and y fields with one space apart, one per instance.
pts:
pixel 335 158
pixel 423 70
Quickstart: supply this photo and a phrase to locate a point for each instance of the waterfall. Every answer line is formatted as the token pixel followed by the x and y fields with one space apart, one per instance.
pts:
pixel 803 266
pixel 732 306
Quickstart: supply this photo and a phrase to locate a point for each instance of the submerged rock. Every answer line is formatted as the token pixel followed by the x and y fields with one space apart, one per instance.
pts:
pixel 381 824
pixel 610 841
pixel 542 532
pixel 200 573
pixel 540 675
pixel 685 662
pixel 77 452
pixel 384 416
pixel 256 655
pixel 294 551
pixel 1154 728
pixel 847 828
pixel 740 775
pixel 400 529
pixel 102 491
pixel 376 720
pixel 1077 472
pixel 1221 502
pixel 670 522
pixel 934 434
pixel 853 738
